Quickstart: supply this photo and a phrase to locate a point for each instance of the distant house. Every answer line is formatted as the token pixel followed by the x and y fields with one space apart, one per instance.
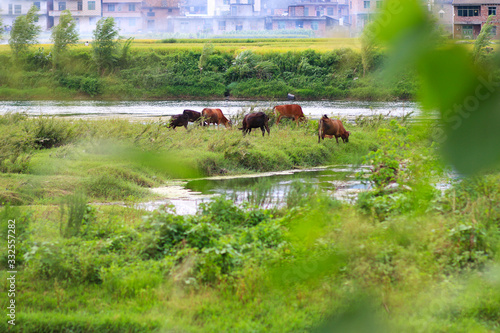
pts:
pixel 443 11
pixel 127 14
pixel 11 9
pixel 85 12
pixel 470 16
pixel 362 12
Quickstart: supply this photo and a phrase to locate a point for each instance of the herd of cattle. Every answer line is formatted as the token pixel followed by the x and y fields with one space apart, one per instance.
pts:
pixel 326 127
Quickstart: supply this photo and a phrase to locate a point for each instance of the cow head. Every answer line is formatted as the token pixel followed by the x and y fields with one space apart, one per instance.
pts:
pixel 345 136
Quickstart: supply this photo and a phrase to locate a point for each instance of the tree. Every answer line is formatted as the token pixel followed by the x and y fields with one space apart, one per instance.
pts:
pixel 24 32
pixel 64 34
pixel 483 40
pixel 368 46
pixel 106 44
pixel 207 51
pixel 1 27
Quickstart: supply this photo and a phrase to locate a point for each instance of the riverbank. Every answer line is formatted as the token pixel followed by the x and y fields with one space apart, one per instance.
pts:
pixel 253 70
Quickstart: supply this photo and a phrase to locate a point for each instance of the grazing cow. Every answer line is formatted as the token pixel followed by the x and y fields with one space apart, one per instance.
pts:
pixel 332 128
pixel 192 115
pixel 215 116
pixel 289 111
pixel 255 120
pixel 178 120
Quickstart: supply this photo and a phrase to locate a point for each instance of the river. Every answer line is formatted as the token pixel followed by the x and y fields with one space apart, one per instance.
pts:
pixel 312 109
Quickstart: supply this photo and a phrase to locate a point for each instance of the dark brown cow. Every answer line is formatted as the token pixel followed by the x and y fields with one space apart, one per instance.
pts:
pixel 215 116
pixel 178 120
pixel 332 128
pixel 289 111
pixel 256 120
pixel 192 115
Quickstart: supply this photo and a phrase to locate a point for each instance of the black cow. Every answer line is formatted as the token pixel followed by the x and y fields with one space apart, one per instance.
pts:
pixel 179 120
pixel 192 115
pixel 256 120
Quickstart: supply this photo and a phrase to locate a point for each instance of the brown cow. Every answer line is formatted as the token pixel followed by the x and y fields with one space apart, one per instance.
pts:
pixel 255 120
pixel 289 111
pixel 332 128
pixel 215 116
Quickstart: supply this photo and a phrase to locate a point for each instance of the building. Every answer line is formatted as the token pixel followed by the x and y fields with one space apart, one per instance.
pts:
pixel 85 12
pixel 11 9
pixel 470 16
pixel 361 12
pixel 127 14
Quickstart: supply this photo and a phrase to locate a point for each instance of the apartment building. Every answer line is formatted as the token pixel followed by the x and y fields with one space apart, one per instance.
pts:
pixel 11 9
pixel 127 14
pixel 85 12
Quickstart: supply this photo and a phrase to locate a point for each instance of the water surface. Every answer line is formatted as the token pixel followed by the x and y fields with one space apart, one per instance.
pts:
pixel 312 109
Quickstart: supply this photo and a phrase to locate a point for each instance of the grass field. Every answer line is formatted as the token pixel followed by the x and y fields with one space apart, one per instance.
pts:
pixel 396 261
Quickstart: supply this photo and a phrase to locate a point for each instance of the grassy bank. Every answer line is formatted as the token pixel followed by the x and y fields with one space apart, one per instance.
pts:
pixel 318 263
pixel 199 69
pixel 406 259
pixel 114 159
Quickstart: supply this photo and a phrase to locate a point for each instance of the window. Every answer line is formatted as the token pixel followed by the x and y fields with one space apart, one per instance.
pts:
pixel 222 25
pixel 314 25
pixel 150 13
pixel 493 31
pixel 239 26
pixel 306 11
pixel 62 5
pixel 366 4
pixel 281 25
pixel 131 22
pixel 151 24
pixel 492 11
pixel 329 11
pixel 91 5
pixel 468 10
pixel 225 2
pixel 131 7
pixel 80 5
pixel 111 7
pixel 119 8
pixel 37 4
pixel 234 10
pixel 184 26
pixel 17 9
pixel 10 9
pixel 441 15
pixel 299 24
pixel 170 10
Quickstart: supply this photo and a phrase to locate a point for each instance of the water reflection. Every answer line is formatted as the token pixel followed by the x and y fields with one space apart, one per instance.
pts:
pixel 265 190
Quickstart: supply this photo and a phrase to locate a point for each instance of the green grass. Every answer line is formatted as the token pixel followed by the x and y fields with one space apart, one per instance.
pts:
pixel 315 262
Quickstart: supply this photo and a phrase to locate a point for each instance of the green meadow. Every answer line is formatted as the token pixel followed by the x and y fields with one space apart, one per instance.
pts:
pixel 411 259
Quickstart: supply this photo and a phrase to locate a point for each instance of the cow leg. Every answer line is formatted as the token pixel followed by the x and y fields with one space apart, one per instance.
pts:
pixel 263 130
pixel 337 138
pixel 267 128
pixel 278 120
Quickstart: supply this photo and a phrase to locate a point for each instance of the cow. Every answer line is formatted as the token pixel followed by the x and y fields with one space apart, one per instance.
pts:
pixel 178 120
pixel 289 111
pixel 255 120
pixel 332 128
pixel 192 115
pixel 215 116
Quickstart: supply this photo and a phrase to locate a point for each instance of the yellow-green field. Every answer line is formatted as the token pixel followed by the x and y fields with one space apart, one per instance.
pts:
pixel 234 45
